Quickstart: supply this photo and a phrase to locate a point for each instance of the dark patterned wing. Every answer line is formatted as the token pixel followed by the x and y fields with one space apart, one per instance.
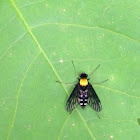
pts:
pixel 72 101
pixel 93 99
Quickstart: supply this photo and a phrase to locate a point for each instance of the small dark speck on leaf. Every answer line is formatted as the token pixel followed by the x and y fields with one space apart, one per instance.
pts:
pixel 138 121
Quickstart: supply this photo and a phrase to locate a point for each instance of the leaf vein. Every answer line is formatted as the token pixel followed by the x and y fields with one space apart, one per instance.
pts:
pixel 116 120
pixel 117 91
pixel 63 125
pixel 18 39
pixel 18 94
pixel 10 20
pixel 88 27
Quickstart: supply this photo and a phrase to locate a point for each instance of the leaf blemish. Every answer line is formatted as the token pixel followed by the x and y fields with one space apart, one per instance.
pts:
pixel 65 136
pixel 111 136
pixel 41 62
pixel 49 119
pixel 61 61
pixel 73 124
pixel 29 126
pixel 138 121
pixel 11 53
pixel 122 103
pixel 112 77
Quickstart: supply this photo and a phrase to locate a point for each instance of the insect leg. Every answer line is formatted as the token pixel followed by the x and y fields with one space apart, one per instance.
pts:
pixel 97 115
pixel 93 71
pixel 101 82
pixel 75 70
pixel 66 83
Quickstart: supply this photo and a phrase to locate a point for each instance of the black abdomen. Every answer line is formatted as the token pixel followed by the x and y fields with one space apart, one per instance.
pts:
pixel 83 98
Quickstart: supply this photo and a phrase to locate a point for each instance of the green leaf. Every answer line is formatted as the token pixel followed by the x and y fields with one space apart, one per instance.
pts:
pixel 38 40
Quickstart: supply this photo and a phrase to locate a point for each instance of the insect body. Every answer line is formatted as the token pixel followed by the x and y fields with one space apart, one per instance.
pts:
pixel 83 94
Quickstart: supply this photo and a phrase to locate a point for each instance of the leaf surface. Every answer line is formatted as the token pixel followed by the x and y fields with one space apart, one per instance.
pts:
pixel 38 40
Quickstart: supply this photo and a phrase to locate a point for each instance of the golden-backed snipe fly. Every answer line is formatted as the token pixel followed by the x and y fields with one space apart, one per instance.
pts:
pixel 83 93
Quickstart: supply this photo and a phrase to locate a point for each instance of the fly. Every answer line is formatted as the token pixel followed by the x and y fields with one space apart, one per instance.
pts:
pixel 83 93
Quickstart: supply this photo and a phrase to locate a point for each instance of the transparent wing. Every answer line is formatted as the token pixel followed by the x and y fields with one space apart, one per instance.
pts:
pixel 93 99
pixel 72 101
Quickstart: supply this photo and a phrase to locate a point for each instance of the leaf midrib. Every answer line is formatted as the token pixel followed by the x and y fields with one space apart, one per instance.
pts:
pixel 47 59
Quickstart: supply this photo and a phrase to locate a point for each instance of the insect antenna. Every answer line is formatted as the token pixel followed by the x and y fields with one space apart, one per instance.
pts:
pixel 93 71
pixel 75 70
